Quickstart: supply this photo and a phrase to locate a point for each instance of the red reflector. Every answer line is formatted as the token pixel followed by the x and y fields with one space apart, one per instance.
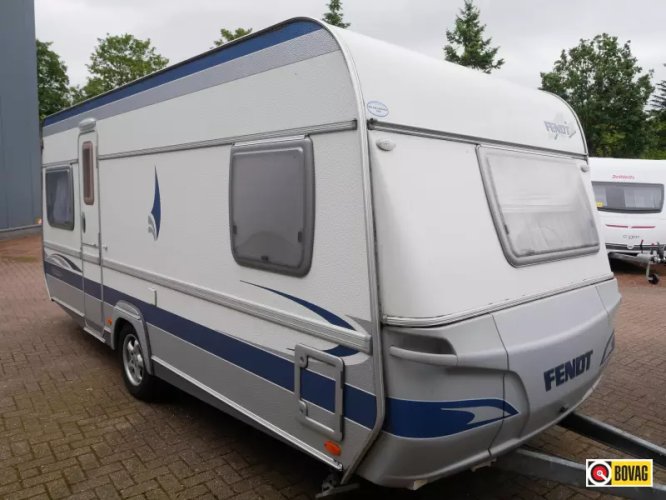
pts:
pixel 333 448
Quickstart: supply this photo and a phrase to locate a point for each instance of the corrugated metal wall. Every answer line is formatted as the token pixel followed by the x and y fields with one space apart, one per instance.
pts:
pixel 20 184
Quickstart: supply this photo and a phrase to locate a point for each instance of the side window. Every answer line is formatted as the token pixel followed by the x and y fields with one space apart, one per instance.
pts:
pixel 271 205
pixel 88 173
pixel 59 198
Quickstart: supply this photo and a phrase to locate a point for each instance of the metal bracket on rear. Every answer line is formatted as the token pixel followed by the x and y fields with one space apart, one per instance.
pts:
pixel 303 354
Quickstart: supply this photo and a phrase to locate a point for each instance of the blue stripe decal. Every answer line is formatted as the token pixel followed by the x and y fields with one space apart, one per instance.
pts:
pixel 412 419
pixel 69 277
pixel 340 350
pixel 360 406
pixel 68 260
pixel 92 288
pixel 199 63
pixel 428 419
pixel 320 311
pixel 71 263
pixel 76 280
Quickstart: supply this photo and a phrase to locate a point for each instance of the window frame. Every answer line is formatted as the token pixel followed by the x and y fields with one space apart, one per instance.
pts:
pixel 305 143
pixel 632 210
pixel 52 170
pixel 88 180
pixel 483 155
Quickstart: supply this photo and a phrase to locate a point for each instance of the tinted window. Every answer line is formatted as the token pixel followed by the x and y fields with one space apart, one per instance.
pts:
pixel 88 173
pixel 271 201
pixel 539 205
pixel 628 197
pixel 59 198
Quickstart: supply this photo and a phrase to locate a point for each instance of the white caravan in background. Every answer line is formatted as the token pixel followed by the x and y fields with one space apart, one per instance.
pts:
pixel 278 225
pixel 629 194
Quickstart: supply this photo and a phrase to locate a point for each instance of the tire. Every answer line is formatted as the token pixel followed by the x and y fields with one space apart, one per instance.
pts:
pixel 140 384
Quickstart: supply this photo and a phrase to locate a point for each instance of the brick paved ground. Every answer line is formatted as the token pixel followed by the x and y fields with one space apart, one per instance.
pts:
pixel 69 429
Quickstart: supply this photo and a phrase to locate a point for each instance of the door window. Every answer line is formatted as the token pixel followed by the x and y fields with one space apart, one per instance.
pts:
pixel 88 173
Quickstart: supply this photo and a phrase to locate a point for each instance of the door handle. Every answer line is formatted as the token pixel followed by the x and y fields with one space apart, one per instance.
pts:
pixel 83 222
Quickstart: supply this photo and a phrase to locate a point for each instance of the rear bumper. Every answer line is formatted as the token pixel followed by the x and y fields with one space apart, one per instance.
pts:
pixel 499 394
pixel 511 444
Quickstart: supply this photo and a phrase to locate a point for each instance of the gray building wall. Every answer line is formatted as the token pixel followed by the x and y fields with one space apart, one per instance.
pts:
pixel 20 155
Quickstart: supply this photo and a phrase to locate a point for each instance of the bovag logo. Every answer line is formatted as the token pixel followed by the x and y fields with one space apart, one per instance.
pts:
pixel 618 473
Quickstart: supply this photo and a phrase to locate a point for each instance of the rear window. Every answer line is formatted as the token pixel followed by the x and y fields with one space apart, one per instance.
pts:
pixel 629 197
pixel 539 206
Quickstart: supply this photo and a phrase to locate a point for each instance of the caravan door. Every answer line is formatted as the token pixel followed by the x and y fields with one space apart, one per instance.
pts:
pixel 90 233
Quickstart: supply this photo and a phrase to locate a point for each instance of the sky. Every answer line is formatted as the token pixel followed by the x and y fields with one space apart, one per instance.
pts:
pixel 531 33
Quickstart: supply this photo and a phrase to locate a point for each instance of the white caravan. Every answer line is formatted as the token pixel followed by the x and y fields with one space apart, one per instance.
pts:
pixel 388 261
pixel 630 198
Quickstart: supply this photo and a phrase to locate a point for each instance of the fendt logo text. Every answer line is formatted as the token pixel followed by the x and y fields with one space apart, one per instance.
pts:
pixel 556 130
pixel 567 370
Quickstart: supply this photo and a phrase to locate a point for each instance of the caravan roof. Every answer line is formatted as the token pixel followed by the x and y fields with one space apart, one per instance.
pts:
pixel 394 85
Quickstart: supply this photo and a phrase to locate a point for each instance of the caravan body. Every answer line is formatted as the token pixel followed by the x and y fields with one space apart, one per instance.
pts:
pixel 630 198
pixel 278 226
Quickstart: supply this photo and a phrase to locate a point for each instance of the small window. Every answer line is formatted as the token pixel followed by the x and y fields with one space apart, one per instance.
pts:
pixel 271 205
pixel 59 198
pixel 88 173
pixel 539 205
pixel 629 197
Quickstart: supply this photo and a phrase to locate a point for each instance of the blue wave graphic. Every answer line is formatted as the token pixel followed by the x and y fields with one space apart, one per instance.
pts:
pixel 66 260
pixel 155 218
pixel 332 318
pixel 443 418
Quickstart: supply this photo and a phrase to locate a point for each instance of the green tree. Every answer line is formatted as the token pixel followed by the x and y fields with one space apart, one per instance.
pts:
pixel 602 81
pixel 334 15
pixel 120 59
pixel 656 149
pixel 77 94
pixel 52 81
pixel 659 98
pixel 226 35
pixel 467 46
pixel 657 121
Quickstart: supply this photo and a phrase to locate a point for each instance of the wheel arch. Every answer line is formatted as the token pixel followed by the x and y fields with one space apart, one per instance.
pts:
pixel 125 313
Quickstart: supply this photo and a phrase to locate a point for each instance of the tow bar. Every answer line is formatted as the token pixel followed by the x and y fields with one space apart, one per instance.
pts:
pixel 543 466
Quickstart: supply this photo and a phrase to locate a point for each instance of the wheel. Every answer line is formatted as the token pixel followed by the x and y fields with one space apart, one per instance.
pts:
pixel 653 279
pixel 140 383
